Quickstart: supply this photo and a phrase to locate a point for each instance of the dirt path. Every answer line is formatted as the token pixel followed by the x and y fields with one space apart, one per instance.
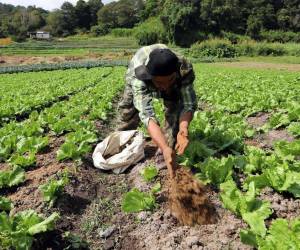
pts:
pixel 261 65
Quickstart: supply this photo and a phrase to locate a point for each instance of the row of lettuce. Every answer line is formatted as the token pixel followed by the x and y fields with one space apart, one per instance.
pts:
pixel 220 157
pixel 20 142
pixel 61 66
pixel 24 93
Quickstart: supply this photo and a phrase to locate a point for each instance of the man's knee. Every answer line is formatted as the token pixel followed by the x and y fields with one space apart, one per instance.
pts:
pixel 129 124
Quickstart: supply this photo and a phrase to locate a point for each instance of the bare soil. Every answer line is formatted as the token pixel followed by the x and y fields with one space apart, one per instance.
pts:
pixel 261 65
pixel 14 60
pixel 268 139
pixel 258 120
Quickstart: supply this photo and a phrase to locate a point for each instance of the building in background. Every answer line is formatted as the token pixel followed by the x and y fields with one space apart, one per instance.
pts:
pixel 40 35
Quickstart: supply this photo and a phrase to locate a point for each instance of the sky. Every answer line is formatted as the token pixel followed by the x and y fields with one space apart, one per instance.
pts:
pixel 46 4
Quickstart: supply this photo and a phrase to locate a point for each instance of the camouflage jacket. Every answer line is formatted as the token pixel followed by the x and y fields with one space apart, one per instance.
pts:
pixel 144 91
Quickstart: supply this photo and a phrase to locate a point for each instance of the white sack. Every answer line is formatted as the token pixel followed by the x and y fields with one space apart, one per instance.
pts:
pixel 119 161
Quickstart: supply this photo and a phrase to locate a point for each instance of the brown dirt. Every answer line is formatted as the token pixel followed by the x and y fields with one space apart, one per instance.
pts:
pixel 23 60
pixel 258 120
pixel 283 205
pixel 267 140
pixel 14 60
pixel 188 200
pixel 261 65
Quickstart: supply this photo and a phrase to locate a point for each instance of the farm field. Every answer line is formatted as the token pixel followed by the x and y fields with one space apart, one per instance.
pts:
pixel 244 144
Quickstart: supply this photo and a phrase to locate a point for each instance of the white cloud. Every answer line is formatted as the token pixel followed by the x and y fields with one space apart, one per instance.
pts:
pixel 46 4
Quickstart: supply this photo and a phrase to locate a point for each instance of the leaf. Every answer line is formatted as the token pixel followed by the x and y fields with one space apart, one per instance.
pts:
pixel 45 225
pixel 230 196
pixel 149 173
pixel 136 201
pixel 156 188
pixel 16 231
pixel 11 178
pixel 5 204
pixel 53 189
pixel 287 150
pixel 255 218
pixel 215 171
pixel 5 223
pixel 23 161
pixel 294 128
pixel 25 219
pixel 281 235
pixel 252 210
pixel 248 237
pixel 68 151
pixel 32 144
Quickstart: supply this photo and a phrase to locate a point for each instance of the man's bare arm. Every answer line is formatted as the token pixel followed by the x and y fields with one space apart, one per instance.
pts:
pixel 184 121
pixel 159 138
pixel 182 136
pixel 157 135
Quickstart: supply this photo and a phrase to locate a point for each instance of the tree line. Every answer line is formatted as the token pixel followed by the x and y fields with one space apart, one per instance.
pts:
pixel 181 19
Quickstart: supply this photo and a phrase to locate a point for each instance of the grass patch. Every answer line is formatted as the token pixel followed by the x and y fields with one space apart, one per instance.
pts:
pixel 271 59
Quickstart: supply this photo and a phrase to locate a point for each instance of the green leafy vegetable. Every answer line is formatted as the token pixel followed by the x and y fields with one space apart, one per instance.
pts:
pixel 23 161
pixel 136 201
pixel 5 204
pixel 17 231
pixel 281 235
pixel 252 210
pixel 215 171
pixel 149 173
pixel 12 177
pixel 156 188
pixel 53 189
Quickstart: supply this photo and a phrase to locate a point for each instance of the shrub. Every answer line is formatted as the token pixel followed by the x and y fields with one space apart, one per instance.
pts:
pixel 246 48
pixel 266 49
pixel 252 48
pixel 149 32
pixel 234 38
pixel 280 36
pixel 122 32
pixel 219 48
pixel 100 30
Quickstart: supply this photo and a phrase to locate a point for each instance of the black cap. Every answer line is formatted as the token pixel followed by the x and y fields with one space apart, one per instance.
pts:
pixel 162 62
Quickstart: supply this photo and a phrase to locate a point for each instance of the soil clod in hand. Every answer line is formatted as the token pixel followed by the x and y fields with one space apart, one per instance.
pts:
pixel 188 200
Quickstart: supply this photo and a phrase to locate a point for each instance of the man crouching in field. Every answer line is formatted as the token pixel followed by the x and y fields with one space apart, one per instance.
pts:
pixel 156 72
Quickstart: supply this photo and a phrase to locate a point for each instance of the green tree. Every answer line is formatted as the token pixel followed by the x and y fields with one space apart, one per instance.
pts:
pixel 219 15
pixel 36 20
pixel 69 18
pixel 54 21
pixel 292 8
pixel 94 7
pixel 121 14
pixel 181 20
pixel 82 10
pixel 152 8
pixel 107 15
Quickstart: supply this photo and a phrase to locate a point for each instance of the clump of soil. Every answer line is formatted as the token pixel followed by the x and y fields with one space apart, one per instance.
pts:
pixel 188 201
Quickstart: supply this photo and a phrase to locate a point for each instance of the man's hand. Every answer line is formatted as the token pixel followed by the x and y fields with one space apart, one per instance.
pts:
pixel 170 159
pixel 182 141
